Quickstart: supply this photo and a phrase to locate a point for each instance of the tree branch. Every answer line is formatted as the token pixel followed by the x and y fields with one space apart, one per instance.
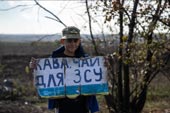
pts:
pixel 13 7
pixel 91 27
pixel 50 13
pixel 51 18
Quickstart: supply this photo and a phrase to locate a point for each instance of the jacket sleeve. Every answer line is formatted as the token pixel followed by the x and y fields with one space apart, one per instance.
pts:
pixel 52 103
pixel 93 104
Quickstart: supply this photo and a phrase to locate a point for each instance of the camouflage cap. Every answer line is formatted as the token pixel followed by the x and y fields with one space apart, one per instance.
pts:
pixel 70 32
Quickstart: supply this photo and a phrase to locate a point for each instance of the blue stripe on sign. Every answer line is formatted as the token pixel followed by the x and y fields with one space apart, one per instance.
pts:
pixel 94 89
pixel 59 91
pixel 91 89
pixel 87 89
pixel 72 90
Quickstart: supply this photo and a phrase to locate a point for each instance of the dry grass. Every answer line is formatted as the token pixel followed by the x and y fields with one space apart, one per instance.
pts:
pixel 158 98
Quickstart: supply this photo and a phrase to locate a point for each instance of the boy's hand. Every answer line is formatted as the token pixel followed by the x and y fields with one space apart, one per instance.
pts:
pixel 106 62
pixel 33 63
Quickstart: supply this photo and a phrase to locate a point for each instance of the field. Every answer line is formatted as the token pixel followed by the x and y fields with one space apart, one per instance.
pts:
pixel 14 59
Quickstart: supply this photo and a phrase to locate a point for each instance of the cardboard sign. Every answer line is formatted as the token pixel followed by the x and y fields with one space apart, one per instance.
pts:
pixel 60 77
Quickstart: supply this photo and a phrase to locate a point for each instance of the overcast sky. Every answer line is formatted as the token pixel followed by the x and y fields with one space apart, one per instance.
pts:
pixel 31 19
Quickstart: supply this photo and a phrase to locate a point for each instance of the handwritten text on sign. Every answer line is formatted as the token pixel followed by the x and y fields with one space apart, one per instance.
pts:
pixel 58 77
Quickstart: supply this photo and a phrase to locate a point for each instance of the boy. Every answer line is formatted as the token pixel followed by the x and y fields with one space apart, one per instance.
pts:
pixel 71 42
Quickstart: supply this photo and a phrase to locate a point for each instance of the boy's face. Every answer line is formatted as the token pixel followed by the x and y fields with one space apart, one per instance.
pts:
pixel 70 45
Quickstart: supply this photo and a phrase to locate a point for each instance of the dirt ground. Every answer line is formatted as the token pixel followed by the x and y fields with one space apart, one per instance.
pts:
pixel 25 107
pixel 21 107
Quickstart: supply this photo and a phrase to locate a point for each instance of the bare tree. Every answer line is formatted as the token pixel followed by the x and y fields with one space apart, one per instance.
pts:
pixel 136 63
